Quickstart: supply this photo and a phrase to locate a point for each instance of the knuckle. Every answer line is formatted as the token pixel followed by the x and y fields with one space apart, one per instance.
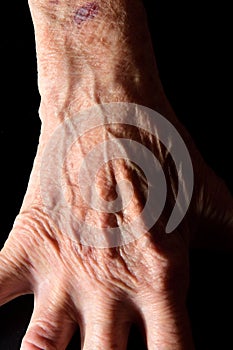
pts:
pixel 42 336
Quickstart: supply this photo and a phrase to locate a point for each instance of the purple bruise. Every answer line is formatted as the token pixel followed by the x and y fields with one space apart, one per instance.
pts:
pixel 86 12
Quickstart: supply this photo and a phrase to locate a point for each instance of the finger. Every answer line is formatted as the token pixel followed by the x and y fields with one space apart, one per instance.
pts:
pixel 13 272
pixel 50 327
pixel 215 204
pixel 105 329
pixel 166 327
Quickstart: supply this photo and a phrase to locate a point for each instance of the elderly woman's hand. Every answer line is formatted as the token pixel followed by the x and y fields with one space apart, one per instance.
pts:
pixel 87 265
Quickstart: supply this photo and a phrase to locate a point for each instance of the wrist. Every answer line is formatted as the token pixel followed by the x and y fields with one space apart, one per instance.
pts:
pixel 109 58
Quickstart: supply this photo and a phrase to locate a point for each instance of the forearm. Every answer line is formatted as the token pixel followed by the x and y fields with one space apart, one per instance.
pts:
pixel 106 58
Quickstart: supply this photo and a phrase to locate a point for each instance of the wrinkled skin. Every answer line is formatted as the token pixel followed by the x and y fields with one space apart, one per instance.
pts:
pixel 105 290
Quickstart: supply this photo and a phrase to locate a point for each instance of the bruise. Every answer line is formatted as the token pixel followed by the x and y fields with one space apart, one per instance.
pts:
pixel 89 11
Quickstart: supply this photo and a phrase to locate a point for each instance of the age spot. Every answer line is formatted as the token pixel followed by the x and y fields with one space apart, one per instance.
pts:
pixel 86 12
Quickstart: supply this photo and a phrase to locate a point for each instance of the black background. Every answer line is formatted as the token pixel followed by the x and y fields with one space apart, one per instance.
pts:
pixel 192 45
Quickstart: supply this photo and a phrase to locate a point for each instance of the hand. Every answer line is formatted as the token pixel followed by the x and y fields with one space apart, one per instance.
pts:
pixel 145 280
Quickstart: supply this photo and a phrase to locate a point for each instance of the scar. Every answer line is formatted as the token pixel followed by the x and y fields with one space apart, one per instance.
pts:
pixel 89 11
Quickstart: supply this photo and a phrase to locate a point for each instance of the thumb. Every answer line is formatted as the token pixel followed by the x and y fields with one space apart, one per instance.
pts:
pixel 215 213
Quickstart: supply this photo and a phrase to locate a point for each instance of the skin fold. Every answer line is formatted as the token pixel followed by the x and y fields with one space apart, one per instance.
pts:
pixel 106 58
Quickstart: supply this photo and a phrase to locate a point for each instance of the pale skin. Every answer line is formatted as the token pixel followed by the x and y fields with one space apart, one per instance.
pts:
pixel 104 290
